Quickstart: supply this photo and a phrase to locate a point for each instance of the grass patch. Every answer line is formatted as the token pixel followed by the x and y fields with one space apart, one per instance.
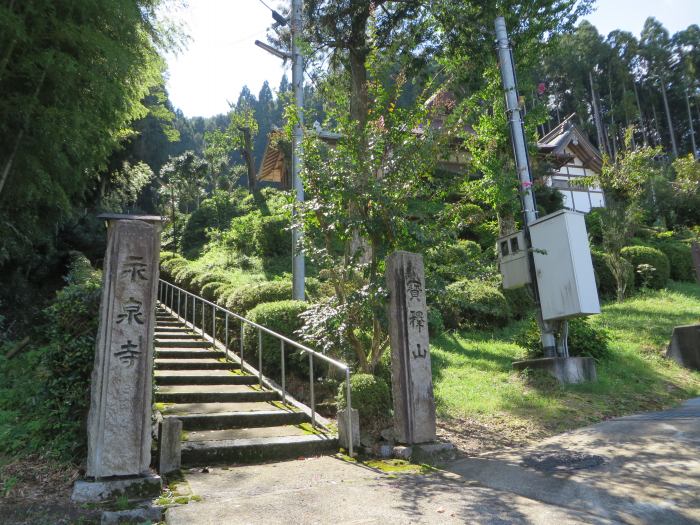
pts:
pixel 474 380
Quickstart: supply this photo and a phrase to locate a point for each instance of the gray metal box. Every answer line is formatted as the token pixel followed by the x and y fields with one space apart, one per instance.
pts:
pixel 513 261
pixel 563 266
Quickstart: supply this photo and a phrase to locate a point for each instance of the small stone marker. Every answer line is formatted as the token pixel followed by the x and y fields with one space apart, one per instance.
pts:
pixel 695 250
pixel 169 445
pixel 345 434
pixel 411 376
pixel 119 421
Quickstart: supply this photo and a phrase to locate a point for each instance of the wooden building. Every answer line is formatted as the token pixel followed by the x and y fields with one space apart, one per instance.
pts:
pixel 572 156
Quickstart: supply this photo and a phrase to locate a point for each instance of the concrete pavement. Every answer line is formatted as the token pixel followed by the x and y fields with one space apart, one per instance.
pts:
pixel 642 469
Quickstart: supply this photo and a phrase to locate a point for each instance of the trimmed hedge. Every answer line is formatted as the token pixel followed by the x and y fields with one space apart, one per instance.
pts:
pixel 282 317
pixel 370 396
pixel 478 304
pixel 244 298
pixel 646 255
pixel 680 259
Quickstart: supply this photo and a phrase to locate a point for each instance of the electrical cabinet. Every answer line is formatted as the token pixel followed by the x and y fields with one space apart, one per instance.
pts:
pixel 563 266
pixel 513 260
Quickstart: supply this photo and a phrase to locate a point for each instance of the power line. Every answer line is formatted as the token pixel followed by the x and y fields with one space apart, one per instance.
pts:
pixel 263 3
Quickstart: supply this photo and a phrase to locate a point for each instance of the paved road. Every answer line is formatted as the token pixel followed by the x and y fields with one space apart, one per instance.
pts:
pixel 642 469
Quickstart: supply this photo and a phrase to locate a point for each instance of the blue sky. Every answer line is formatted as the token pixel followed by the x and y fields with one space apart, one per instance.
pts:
pixel 221 57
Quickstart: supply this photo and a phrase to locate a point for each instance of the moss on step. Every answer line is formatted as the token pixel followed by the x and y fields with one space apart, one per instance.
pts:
pixel 391 467
pixel 184 436
pixel 308 428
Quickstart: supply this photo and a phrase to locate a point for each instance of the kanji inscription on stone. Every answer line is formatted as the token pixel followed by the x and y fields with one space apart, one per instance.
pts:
pixel 411 378
pixel 119 421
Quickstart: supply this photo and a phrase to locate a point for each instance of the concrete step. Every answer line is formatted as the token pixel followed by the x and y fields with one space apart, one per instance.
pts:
pixel 195 364
pixel 187 353
pixel 252 449
pixel 203 377
pixel 172 329
pixel 212 394
pixel 169 322
pixel 179 335
pixel 177 409
pixel 239 419
pixel 181 343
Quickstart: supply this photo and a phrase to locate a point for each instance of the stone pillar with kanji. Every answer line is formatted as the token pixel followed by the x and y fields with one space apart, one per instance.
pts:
pixel 411 377
pixel 119 421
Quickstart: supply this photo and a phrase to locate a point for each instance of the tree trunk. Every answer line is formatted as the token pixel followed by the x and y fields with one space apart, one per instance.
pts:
pixel 641 115
pixel 596 118
pixel 248 156
pixel 674 148
pixel 613 128
pixel 692 128
pixel 656 125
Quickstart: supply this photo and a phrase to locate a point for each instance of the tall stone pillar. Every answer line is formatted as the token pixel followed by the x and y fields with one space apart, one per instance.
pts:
pixel 411 377
pixel 119 421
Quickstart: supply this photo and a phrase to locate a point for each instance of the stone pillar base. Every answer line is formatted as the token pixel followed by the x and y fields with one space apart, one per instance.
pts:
pixel 99 490
pixel 566 370
pixel 432 453
pixel 685 346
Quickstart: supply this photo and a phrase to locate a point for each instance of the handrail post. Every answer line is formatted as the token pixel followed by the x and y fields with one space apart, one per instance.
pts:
pixel 213 324
pixel 203 315
pixel 242 336
pixel 311 390
pixel 226 332
pixel 284 380
pixel 348 409
pixel 260 356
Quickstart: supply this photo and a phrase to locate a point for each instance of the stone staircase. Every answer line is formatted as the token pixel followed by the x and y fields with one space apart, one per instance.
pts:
pixel 227 417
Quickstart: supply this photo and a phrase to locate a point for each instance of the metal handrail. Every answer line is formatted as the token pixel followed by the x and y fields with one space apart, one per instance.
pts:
pixel 165 288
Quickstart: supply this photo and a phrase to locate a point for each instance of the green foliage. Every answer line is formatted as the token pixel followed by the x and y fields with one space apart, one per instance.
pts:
pixel 520 301
pixel 607 286
pixel 244 299
pixel 213 212
pixel 284 318
pixel 679 258
pixel 637 255
pixel 45 392
pixel 585 339
pixel 452 262
pixel 474 303
pixel 370 397
pixel 72 78
pixel 261 235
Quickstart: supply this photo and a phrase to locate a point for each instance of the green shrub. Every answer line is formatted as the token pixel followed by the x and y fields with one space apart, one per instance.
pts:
pixel 520 301
pixel 170 266
pixel 436 324
pixel 284 318
pixel 247 297
pixel 593 226
pixel 680 259
pixel 209 290
pixel 585 340
pixel 452 262
pixel 607 287
pixel 214 212
pixel 260 235
pixel 370 396
pixel 472 303
pixel 646 255
pixel 45 391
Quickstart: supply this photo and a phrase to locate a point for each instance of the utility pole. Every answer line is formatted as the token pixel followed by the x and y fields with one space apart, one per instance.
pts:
pixel 298 263
pixel 522 163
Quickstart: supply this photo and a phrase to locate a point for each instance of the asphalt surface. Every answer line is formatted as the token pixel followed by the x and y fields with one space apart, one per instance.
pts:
pixel 642 469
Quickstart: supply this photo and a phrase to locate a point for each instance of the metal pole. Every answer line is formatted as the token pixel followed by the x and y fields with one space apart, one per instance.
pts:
pixel 522 164
pixel 348 407
pixel 226 333
pixel 311 390
pixel 298 263
pixel 260 356
pixel 284 381
pixel 242 336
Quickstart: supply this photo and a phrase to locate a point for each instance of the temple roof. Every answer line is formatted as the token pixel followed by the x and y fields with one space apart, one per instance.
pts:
pixel 568 138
